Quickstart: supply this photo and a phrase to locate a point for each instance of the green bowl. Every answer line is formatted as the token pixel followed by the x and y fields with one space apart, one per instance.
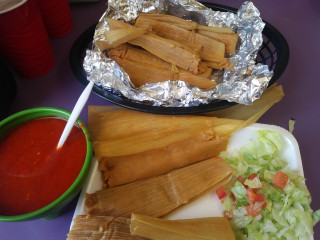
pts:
pixel 54 208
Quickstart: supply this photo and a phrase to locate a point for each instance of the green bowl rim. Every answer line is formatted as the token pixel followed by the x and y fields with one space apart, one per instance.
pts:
pixel 86 166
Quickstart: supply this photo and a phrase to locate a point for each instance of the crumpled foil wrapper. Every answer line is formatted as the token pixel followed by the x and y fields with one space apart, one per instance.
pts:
pixel 243 84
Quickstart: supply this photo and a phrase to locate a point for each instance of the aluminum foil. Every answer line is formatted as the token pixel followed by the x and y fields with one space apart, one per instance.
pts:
pixel 243 84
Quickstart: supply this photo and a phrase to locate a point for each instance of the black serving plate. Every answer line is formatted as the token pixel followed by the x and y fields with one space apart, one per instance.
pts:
pixel 274 52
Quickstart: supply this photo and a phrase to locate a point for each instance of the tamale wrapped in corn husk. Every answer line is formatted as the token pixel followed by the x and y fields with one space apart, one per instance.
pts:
pixel 117 131
pixel 129 52
pixel 101 228
pixel 174 52
pixel 141 73
pixel 229 40
pixel 189 25
pixel 116 37
pixel 120 170
pixel 210 228
pixel 131 145
pixel 169 50
pixel 158 196
pixel 211 50
pixel 143 67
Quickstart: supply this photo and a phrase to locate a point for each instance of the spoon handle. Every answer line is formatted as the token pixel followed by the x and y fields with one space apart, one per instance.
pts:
pixel 75 113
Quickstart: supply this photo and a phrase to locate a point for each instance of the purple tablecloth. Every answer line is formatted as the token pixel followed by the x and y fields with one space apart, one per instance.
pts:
pixel 298 21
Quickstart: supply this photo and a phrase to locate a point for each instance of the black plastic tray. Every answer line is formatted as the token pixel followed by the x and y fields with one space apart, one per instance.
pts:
pixel 274 52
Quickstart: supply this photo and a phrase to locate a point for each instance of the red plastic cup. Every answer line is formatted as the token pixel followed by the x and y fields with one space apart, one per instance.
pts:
pixel 56 16
pixel 24 42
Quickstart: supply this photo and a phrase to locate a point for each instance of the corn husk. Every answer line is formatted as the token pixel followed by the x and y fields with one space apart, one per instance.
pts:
pixel 116 37
pixel 253 112
pixel 143 67
pixel 160 195
pixel 169 50
pixel 127 51
pixel 211 228
pixel 141 74
pixel 117 131
pixel 174 52
pixel 211 50
pixel 189 25
pixel 101 228
pixel 229 40
pixel 154 162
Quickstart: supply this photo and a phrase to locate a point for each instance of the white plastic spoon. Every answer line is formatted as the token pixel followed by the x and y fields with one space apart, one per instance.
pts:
pixel 75 113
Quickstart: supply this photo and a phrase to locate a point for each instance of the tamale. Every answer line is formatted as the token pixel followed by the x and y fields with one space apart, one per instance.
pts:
pixel 120 170
pixel 141 74
pixel 229 40
pixel 131 53
pixel 143 67
pixel 211 50
pixel 189 25
pixel 158 196
pixel 101 228
pixel 210 228
pixel 174 52
pixel 116 37
pixel 225 63
pixel 116 24
pixel 117 131
pixel 169 50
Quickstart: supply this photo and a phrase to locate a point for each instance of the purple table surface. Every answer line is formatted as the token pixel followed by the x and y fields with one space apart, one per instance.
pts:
pixel 297 20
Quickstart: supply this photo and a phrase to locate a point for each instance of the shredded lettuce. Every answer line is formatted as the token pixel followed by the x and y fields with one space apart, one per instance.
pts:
pixel 254 183
pixel 316 217
pixel 240 192
pixel 288 214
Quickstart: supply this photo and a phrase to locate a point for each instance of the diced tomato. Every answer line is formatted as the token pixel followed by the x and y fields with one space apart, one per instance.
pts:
pixel 221 193
pixel 260 198
pixel 252 176
pixel 256 197
pixel 251 211
pixel 280 179
pixel 251 196
pixel 241 180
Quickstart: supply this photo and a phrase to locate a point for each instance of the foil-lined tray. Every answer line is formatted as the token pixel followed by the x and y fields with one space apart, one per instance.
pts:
pixel 176 97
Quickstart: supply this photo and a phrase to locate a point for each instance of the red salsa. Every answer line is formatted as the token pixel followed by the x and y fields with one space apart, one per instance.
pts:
pixel 33 173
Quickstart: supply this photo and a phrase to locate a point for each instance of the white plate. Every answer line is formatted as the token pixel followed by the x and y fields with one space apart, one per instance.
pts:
pixel 208 205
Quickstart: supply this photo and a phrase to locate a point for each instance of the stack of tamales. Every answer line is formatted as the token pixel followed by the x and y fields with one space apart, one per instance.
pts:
pixel 151 165
pixel 131 145
pixel 161 47
pixel 150 169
